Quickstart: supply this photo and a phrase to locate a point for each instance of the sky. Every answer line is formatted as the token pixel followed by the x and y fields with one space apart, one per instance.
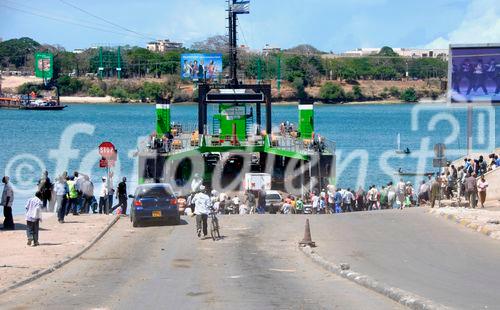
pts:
pixel 330 25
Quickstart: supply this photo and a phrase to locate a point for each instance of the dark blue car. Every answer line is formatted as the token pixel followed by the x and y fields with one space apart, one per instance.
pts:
pixel 154 203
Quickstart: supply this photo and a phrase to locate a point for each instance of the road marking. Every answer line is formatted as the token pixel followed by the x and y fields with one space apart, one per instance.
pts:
pixel 235 277
pixel 282 270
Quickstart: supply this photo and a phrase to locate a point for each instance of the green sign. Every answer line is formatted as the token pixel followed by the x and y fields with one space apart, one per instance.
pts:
pixel 44 65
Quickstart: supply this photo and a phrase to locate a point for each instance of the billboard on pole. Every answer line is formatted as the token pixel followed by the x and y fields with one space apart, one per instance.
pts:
pixel 44 65
pixel 200 67
pixel 474 73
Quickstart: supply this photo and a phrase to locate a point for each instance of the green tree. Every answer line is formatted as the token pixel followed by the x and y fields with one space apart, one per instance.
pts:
pixel 18 52
pixel 331 92
pixel 387 51
pixel 299 85
pixel 409 95
pixel 357 92
pixel 69 86
pixel 395 92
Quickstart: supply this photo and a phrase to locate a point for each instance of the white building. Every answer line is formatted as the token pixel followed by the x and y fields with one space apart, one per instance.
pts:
pixel 401 51
pixel 268 49
pixel 163 46
pixel 422 52
pixel 361 52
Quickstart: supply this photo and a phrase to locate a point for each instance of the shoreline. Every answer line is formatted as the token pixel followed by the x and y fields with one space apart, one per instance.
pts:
pixel 108 100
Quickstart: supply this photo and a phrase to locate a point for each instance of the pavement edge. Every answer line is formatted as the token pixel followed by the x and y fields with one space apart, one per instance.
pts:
pixel 402 297
pixel 63 262
pixel 484 229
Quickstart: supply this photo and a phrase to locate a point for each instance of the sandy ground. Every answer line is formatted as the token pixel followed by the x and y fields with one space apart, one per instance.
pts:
pixel 75 99
pixel 57 242
pixel 11 83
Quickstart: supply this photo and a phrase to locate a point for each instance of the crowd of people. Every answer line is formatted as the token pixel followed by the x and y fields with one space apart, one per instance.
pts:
pixel 75 194
pixel 70 194
pixel 466 182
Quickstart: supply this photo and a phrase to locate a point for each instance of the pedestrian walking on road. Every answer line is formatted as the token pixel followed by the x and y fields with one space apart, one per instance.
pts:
pixel 62 191
pixel 33 218
pixel 482 185
pixel 400 192
pixel 103 198
pixel 45 188
pixel 471 190
pixel 6 202
pixel 87 193
pixel 201 209
pixel 121 195
pixel 435 191
pixel 373 198
pixel 72 197
pixel 249 200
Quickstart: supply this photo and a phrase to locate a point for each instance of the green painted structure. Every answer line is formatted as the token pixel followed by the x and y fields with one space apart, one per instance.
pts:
pixel 231 117
pixel 162 119
pixel 306 121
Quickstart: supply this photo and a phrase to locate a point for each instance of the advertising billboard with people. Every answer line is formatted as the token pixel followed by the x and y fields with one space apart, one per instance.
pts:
pixel 474 73
pixel 201 67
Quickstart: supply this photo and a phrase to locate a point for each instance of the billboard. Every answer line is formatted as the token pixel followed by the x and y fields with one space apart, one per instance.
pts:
pixel 474 73
pixel 44 65
pixel 200 67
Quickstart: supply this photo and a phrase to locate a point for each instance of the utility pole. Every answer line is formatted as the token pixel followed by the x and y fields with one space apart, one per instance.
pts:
pixel 232 43
pixel 259 70
pixel 278 82
pixel 118 65
pixel 101 68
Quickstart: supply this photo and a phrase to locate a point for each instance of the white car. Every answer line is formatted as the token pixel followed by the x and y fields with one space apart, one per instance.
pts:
pixel 273 201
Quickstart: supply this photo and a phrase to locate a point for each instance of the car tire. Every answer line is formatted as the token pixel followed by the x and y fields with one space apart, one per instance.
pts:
pixel 135 222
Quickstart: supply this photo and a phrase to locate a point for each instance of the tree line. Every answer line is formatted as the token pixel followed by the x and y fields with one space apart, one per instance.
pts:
pixel 301 66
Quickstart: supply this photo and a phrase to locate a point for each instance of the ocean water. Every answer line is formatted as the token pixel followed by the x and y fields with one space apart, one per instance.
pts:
pixel 365 137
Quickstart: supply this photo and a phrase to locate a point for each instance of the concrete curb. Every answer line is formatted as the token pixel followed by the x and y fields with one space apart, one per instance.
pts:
pixel 61 263
pixel 403 297
pixel 484 229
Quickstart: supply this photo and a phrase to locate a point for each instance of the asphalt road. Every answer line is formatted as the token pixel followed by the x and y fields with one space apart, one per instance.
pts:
pixel 415 251
pixel 256 266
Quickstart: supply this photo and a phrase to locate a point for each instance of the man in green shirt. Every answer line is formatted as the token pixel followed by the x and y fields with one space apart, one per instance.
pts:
pixel 384 200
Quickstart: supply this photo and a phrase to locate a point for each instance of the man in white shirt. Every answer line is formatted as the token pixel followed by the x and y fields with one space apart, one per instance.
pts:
pixel 33 218
pixel 103 198
pixel 202 204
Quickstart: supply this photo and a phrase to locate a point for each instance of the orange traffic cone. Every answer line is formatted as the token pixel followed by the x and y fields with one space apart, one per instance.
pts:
pixel 307 236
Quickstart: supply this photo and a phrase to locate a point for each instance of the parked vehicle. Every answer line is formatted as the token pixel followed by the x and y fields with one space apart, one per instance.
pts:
pixel 257 181
pixel 155 203
pixel 273 201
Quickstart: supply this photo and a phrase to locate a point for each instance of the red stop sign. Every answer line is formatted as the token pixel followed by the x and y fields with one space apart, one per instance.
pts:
pixel 106 149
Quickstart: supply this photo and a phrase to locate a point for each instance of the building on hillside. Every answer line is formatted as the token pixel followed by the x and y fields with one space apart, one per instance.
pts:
pixel 163 46
pixel 268 49
pixel 361 52
pixel 422 52
pixel 244 49
pixel 78 50
pixel 401 51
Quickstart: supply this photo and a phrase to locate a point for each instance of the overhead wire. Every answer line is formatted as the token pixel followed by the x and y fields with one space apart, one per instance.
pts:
pixel 65 20
pixel 107 21
pixel 32 8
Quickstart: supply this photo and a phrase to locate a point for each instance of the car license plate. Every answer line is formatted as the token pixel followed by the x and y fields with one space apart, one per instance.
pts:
pixel 156 213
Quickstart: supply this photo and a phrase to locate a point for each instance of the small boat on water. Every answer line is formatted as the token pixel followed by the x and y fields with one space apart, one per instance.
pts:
pixel 30 102
pixel 403 173
pixel 48 104
pixel 398 149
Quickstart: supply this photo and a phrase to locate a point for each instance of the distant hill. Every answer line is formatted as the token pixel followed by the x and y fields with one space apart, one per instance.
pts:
pixel 304 49
pixel 16 51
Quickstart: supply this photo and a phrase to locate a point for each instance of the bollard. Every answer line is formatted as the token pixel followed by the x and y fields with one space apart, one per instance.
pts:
pixel 307 236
